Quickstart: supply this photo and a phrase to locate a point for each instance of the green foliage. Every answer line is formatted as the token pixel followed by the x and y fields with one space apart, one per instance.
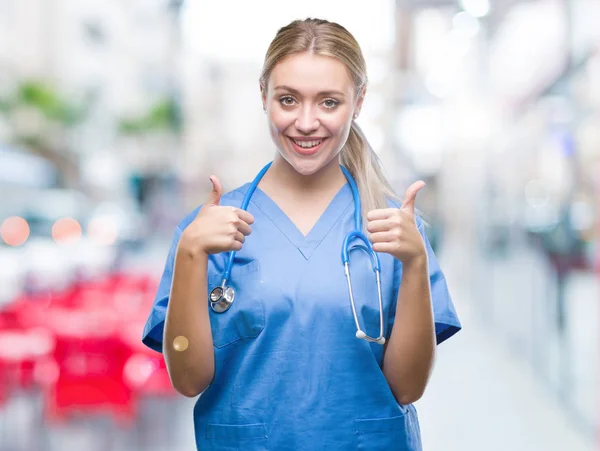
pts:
pixel 44 98
pixel 163 116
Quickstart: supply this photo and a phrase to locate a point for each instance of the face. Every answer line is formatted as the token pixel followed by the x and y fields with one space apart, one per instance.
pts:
pixel 310 102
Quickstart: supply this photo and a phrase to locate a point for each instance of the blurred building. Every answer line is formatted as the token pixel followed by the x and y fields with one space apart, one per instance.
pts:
pixel 497 103
pixel 115 62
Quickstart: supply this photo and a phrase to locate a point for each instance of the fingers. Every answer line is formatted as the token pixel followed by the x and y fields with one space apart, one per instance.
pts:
pixel 239 236
pixel 384 237
pixel 223 228
pixel 244 215
pixel 385 247
pixel 382 213
pixel 411 195
pixel 243 228
pixel 392 219
pixel 232 242
pixel 214 198
pixel 241 219
pixel 408 205
pixel 380 225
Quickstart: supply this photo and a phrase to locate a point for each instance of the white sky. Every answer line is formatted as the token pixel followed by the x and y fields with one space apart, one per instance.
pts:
pixel 243 29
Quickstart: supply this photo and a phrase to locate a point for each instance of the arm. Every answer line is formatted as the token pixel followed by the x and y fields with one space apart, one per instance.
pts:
pixel 192 370
pixel 409 353
pixel 215 229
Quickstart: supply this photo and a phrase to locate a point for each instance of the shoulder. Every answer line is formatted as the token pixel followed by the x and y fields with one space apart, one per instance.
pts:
pixel 230 198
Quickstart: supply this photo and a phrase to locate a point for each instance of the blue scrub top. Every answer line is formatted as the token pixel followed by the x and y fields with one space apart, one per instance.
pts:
pixel 290 373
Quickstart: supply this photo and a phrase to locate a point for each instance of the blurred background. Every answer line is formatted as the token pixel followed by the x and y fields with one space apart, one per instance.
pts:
pixel 113 113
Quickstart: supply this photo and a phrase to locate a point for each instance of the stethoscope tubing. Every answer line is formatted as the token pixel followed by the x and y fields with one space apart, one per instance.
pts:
pixel 224 295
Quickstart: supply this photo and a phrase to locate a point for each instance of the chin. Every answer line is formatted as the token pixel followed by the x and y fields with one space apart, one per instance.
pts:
pixel 305 166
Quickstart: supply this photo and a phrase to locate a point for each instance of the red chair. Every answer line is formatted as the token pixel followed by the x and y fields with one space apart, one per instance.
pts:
pixel 91 359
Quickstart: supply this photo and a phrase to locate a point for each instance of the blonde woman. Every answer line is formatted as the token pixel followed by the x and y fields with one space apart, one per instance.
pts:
pixel 289 348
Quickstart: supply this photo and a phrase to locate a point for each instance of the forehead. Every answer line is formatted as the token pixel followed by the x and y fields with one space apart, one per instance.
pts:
pixel 309 73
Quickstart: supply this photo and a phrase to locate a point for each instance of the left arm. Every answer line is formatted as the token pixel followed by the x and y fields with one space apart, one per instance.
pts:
pixel 409 353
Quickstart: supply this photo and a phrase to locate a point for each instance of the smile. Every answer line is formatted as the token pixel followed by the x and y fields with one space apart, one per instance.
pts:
pixel 306 147
pixel 308 144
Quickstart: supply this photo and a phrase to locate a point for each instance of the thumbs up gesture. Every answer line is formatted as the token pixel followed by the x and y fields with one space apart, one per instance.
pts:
pixel 216 228
pixel 394 230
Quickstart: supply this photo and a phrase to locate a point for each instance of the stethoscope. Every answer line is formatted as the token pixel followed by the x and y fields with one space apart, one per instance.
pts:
pixel 221 298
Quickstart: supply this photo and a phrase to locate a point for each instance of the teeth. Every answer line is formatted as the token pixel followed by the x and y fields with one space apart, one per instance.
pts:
pixel 307 144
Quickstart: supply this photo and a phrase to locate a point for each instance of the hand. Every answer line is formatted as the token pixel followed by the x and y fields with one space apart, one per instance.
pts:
pixel 217 228
pixel 394 230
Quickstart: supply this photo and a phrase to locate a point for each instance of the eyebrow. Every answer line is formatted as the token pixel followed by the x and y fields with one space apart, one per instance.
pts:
pixel 296 92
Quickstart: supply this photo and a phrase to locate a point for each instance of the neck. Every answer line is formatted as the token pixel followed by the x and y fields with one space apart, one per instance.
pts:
pixel 284 177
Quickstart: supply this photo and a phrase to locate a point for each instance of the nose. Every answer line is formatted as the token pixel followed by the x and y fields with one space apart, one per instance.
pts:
pixel 307 120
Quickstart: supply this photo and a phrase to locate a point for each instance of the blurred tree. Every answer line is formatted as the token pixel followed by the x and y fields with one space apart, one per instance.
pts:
pixel 39 120
pixel 163 116
pixel 156 130
pixel 49 103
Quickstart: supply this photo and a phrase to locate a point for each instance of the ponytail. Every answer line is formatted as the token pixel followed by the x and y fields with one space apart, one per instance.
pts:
pixel 363 163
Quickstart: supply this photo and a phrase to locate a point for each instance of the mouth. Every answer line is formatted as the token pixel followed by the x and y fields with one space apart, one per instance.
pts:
pixel 307 147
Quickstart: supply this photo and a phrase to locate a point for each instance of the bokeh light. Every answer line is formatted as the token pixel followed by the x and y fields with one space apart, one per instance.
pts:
pixel 66 230
pixel 14 231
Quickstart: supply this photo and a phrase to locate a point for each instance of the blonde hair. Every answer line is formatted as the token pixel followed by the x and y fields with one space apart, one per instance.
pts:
pixel 325 38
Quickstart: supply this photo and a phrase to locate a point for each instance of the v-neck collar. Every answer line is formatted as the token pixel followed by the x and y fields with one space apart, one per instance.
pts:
pixel 305 244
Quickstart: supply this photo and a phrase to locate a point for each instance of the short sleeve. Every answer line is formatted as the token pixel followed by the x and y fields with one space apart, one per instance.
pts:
pixel 155 324
pixel 445 317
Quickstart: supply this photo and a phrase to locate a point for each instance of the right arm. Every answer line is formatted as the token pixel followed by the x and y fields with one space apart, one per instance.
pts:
pixel 216 229
pixel 192 370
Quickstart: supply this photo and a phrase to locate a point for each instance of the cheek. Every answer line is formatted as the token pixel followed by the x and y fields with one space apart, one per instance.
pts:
pixel 278 123
pixel 338 125
pixel 339 131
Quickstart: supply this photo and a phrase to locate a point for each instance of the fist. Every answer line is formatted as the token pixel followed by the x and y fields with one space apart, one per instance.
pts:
pixel 217 228
pixel 394 230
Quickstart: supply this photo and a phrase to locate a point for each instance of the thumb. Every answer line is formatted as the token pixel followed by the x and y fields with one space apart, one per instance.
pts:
pixel 217 191
pixel 411 195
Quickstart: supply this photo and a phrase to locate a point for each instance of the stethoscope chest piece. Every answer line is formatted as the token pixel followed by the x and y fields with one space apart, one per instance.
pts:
pixel 221 298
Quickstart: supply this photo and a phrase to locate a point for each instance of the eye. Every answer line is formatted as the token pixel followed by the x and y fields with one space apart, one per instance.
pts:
pixel 330 103
pixel 286 100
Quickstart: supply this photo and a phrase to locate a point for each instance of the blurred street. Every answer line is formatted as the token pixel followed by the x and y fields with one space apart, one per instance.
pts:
pixel 481 397
pixel 114 113
pixel 484 396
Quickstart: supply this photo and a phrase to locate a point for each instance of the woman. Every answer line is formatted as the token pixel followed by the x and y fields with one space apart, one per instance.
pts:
pixel 284 367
